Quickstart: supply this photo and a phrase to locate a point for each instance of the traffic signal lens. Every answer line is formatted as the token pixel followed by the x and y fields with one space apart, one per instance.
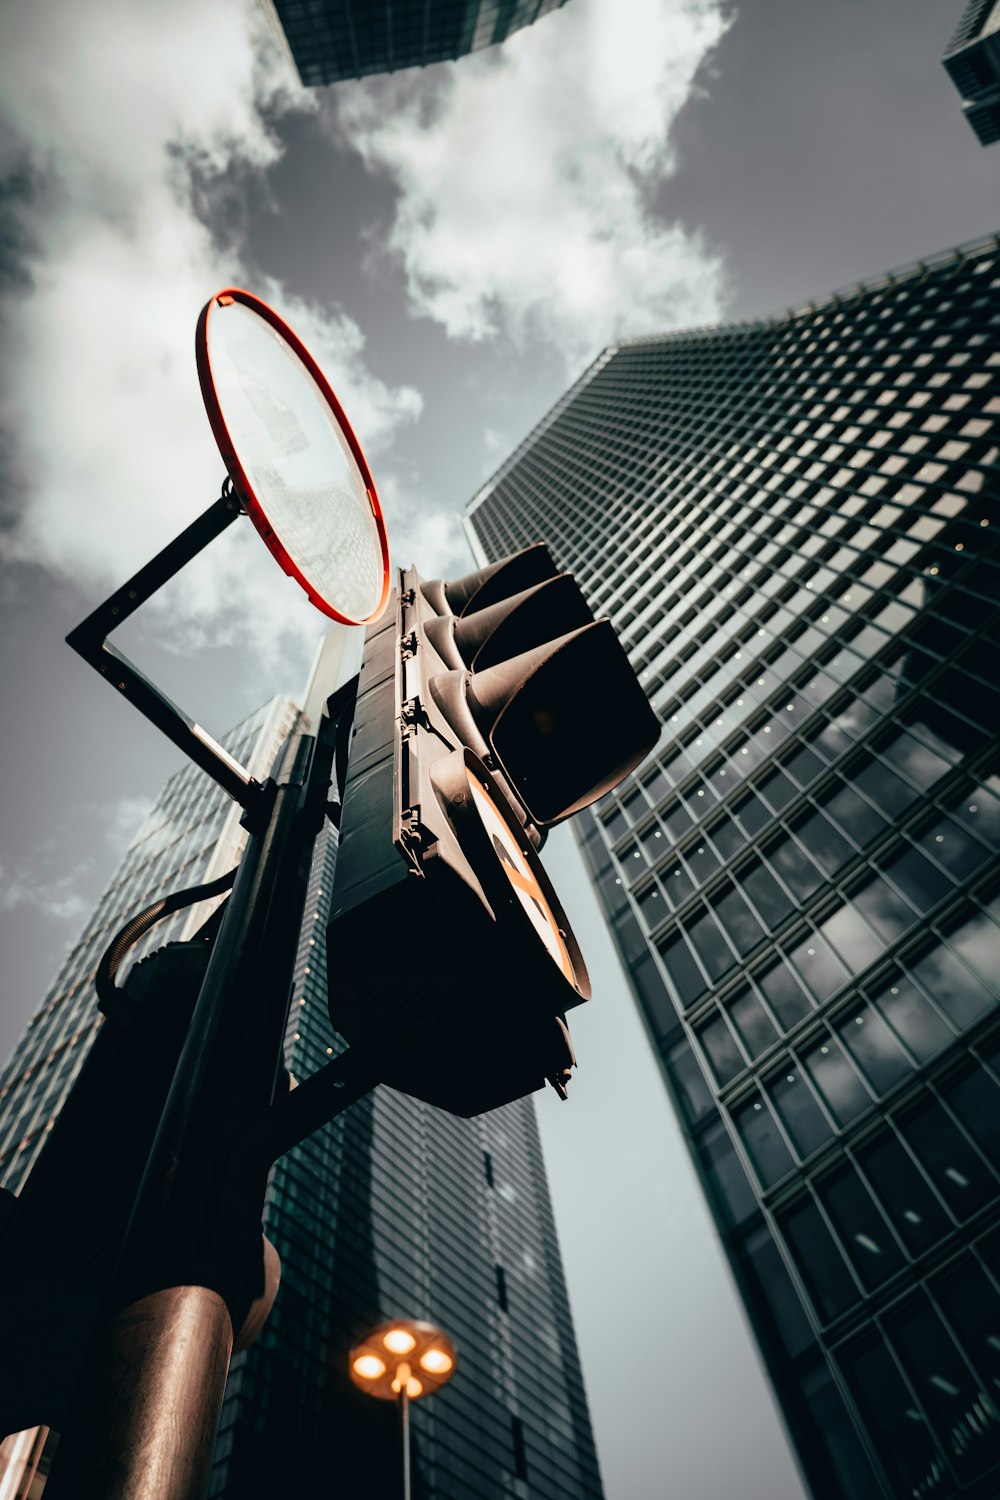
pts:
pixel 522 878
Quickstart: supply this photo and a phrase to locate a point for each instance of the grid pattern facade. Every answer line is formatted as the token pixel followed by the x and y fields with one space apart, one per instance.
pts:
pixel 393 1209
pixel 333 39
pixel 793 525
pixel 972 59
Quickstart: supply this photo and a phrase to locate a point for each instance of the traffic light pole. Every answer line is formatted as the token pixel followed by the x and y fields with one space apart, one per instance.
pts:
pixel 145 1419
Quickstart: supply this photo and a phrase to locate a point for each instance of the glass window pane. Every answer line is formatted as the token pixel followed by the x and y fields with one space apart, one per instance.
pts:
pixel 852 938
pixel 971 1304
pixel 914 758
pixel 904 1441
pixel 826 846
pixel 947 1388
pixel 855 816
pixel 874 1048
pixel 800 1114
pixel 921 883
pixel 952 847
pixel 795 868
pixel 727 1181
pixel 692 1091
pixel 819 966
pixel 684 973
pixel 849 1464
pixel 777 790
pixel 755 1027
pixel 744 930
pixel 862 1229
pixel 836 1081
pixel 709 944
pixel 975 1099
pixel 765 1270
pixel 766 895
pixel 723 1053
pixel 954 1167
pixel 819 1262
pixel 910 1016
pixel 977 943
pixel 884 788
pixel 784 993
pixel 887 912
pixel 763 1141
pixel 905 1195
pixel 959 994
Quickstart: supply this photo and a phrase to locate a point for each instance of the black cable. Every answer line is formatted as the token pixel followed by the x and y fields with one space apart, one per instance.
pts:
pixel 108 993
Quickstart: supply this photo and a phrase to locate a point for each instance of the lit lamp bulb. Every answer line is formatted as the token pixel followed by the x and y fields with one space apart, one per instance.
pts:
pixel 399 1341
pixel 436 1361
pixel 369 1366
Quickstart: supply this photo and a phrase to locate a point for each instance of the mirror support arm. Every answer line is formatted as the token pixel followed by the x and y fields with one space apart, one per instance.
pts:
pixel 90 639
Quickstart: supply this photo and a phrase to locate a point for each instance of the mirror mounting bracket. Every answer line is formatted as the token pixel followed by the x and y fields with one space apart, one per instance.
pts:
pixel 90 639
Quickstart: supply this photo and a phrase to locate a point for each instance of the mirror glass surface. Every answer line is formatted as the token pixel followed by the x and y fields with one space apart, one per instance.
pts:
pixel 303 477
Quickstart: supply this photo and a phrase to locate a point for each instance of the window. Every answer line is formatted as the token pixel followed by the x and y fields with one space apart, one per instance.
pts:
pixel 836 1081
pixel 819 1262
pixel 911 1017
pixel 755 1027
pixel 861 1227
pixel 906 1197
pixel 762 1139
pixel 950 1161
pixel 905 1442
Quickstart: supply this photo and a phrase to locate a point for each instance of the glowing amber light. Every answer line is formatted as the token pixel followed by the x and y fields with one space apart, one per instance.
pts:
pixel 414 1388
pixel 435 1361
pixel 399 1341
pixel 369 1366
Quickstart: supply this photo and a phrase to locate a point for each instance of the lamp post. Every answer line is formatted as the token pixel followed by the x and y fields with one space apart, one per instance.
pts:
pixel 403 1361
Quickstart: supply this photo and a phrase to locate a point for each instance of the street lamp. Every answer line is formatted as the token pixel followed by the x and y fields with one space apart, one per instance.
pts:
pixel 403 1361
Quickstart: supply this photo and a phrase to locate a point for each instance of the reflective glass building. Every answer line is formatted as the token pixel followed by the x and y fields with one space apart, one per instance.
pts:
pixel 973 63
pixel 394 1209
pixel 332 39
pixel 793 524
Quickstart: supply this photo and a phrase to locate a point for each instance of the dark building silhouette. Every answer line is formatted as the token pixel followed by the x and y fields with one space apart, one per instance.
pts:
pixel 393 1209
pixel 328 40
pixel 793 524
pixel 973 63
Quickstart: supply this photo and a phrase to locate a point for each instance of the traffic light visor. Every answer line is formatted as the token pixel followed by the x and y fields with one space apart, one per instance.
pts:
pixel 566 721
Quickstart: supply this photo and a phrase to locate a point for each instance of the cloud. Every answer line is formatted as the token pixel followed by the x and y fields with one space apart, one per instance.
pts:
pixel 109 108
pixel 526 178
pixel 64 897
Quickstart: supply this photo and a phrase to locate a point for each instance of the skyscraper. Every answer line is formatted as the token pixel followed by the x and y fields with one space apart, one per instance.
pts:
pixel 972 59
pixel 393 1209
pixel 793 525
pixel 335 39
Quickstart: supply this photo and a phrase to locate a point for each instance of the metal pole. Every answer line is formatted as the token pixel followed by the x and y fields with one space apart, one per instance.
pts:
pixel 163 1393
pixel 404 1413
pixel 154 1398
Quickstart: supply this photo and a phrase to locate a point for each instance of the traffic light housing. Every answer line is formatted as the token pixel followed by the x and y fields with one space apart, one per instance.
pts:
pixel 489 708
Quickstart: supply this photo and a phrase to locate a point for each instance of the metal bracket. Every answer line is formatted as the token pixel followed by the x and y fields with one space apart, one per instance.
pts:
pixel 90 639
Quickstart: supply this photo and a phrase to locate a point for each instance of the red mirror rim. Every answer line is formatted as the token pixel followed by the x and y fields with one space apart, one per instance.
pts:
pixel 231 458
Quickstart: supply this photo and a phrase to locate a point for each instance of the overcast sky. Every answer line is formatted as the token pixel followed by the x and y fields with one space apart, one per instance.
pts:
pixel 455 245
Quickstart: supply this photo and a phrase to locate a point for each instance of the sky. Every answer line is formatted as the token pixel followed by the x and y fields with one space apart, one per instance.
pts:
pixel 455 245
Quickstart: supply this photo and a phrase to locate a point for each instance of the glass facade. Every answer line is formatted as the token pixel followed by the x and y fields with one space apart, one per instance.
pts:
pixel 393 1209
pixel 333 39
pixel 972 59
pixel 793 525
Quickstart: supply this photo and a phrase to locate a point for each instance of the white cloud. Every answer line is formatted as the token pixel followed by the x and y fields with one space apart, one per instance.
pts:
pixel 63 897
pixel 106 106
pixel 525 178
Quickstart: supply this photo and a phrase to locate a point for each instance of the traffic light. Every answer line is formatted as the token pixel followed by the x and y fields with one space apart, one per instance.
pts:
pixel 489 708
